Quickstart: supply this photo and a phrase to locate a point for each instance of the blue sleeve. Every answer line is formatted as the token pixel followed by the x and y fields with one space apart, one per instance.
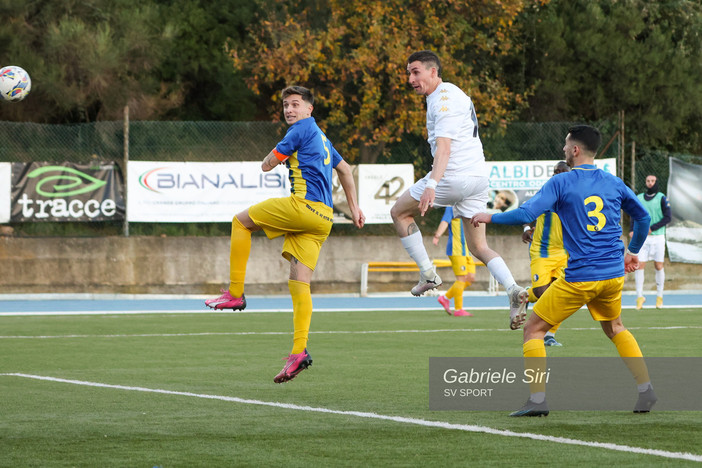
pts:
pixel 640 217
pixel 665 208
pixel 542 201
pixel 640 234
pixel 448 214
pixel 517 216
pixel 336 157
pixel 290 142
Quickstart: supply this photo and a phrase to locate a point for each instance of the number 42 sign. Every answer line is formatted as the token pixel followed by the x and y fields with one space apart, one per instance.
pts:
pixel 379 185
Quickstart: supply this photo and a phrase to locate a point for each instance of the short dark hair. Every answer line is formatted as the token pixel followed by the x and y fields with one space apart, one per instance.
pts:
pixel 561 166
pixel 300 90
pixel 428 59
pixel 590 137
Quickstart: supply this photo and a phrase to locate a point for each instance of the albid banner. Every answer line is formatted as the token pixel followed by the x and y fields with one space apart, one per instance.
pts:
pixel 684 233
pixel 514 182
pixel 44 191
pixel 5 192
pixel 193 192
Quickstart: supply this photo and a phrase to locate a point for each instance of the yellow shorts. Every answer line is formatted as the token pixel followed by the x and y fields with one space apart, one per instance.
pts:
pixel 462 264
pixel 305 225
pixel 544 269
pixel 562 299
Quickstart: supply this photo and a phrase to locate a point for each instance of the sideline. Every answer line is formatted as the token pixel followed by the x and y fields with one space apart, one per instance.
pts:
pixel 108 304
pixel 315 332
pixel 398 419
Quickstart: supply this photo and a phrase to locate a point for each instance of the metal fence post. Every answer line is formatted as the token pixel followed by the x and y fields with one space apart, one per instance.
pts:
pixel 125 226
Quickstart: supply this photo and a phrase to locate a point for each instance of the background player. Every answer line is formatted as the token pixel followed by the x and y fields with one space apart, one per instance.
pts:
pixel 461 262
pixel 548 256
pixel 304 218
pixel 654 247
pixel 588 201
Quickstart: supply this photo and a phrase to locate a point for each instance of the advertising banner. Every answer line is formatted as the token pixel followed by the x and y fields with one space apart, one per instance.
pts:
pixel 43 191
pixel 5 191
pixel 514 182
pixel 684 233
pixel 192 192
pixel 379 185
pixel 178 192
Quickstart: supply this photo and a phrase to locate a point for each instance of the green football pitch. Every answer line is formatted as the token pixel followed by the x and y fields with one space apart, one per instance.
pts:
pixel 184 390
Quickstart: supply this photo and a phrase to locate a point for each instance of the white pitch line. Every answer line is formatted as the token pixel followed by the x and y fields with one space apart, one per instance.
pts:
pixel 322 332
pixel 398 419
pixel 37 313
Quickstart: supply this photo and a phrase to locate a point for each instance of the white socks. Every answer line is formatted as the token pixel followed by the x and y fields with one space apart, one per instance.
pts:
pixel 498 269
pixel 660 281
pixel 639 279
pixel 414 245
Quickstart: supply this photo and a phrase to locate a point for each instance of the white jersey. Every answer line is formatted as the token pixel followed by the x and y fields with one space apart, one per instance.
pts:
pixel 450 114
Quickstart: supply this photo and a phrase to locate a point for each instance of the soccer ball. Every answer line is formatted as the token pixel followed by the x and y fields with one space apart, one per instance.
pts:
pixel 15 84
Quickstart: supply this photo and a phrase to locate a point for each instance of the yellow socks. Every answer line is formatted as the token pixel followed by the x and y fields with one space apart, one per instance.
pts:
pixel 534 364
pixel 302 314
pixel 629 350
pixel 455 292
pixel 239 250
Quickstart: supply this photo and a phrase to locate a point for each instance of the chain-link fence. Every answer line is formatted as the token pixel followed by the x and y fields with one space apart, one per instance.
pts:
pixel 148 141
pixel 251 141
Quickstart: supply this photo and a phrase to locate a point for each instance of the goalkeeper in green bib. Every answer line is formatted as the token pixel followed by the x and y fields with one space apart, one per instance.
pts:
pixel 654 247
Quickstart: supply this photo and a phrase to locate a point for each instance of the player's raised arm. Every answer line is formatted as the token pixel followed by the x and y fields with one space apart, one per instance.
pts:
pixel 272 160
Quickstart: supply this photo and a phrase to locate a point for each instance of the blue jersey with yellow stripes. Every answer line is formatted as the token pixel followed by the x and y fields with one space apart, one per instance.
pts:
pixel 547 240
pixel 456 238
pixel 311 158
pixel 588 201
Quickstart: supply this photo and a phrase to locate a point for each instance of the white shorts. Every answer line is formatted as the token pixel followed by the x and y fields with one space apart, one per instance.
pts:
pixel 467 195
pixel 653 248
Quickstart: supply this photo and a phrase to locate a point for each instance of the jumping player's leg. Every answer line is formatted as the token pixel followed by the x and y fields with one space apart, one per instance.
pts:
pixel 239 251
pixel 302 245
pixel 518 296
pixel 299 285
pixel 403 213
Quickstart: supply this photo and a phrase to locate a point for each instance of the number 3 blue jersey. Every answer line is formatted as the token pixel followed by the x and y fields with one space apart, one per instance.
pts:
pixel 311 158
pixel 589 202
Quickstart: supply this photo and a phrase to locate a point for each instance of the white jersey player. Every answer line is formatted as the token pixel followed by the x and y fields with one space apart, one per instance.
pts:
pixel 458 178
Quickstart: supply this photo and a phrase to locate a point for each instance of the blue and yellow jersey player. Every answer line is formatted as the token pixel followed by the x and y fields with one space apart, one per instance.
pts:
pixel 461 262
pixel 304 218
pixel 547 254
pixel 589 202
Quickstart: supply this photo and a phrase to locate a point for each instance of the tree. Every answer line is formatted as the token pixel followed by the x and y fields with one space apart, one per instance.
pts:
pixel 587 60
pixel 199 61
pixel 88 60
pixel 353 56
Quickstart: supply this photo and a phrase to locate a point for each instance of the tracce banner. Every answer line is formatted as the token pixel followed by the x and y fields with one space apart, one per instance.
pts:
pixel 5 191
pixel 43 191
